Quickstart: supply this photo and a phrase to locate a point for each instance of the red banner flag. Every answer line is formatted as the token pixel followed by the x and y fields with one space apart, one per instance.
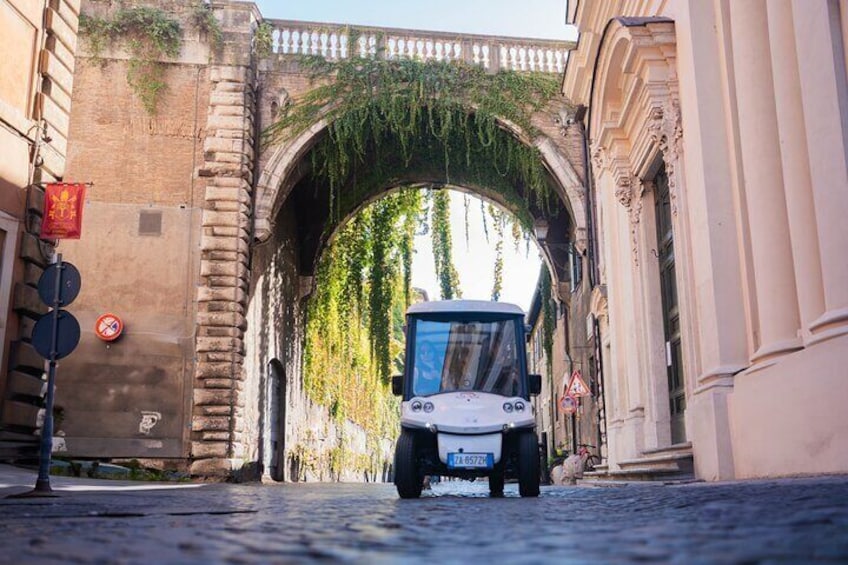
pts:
pixel 62 211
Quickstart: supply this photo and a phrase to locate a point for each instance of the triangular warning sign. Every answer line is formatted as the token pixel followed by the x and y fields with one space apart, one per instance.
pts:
pixel 576 386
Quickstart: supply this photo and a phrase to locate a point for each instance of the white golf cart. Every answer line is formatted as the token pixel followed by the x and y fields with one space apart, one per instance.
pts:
pixel 466 408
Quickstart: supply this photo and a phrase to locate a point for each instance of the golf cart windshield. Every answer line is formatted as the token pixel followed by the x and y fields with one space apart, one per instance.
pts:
pixel 465 355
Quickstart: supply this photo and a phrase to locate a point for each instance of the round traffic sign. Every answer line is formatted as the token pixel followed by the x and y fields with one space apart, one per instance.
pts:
pixel 108 327
pixel 67 334
pixel 568 404
pixel 69 285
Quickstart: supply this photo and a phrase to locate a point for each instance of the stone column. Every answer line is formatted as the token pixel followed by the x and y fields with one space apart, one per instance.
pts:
pixel 824 98
pixel 217 413
pixel 776 296
pixel 796 165
pixel 716 300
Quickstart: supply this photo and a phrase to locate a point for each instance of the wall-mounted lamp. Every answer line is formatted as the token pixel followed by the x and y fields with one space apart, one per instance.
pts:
pixel 540 229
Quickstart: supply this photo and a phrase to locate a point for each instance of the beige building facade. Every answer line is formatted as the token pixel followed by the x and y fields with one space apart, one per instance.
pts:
pixel 719 142
pixel 38 45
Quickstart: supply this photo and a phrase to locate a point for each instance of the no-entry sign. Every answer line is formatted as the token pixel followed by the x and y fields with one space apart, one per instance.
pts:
pixel 108 327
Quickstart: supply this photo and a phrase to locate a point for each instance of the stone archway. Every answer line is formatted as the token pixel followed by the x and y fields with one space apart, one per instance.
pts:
pixel 282 279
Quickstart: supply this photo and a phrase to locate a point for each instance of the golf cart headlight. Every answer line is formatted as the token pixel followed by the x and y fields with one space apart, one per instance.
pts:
pixel 507 407
pixel 415 406
pixel 428 407
pixel 519 406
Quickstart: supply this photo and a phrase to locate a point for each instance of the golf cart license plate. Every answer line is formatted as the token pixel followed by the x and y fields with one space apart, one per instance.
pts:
pixel 471 460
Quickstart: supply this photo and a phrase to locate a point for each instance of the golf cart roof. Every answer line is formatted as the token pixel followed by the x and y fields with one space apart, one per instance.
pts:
pixel 464 306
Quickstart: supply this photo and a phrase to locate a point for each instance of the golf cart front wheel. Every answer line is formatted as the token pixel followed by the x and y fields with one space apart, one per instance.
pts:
pixel 408 479
pixel 528 465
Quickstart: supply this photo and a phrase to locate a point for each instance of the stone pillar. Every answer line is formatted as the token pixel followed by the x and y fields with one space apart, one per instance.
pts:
pixel 824 98
pixel 776 302
pixel 705 177
pixel 796 165
pixel 228 165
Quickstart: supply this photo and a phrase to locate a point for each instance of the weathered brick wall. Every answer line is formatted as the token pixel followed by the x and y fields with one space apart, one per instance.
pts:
pixel 139 259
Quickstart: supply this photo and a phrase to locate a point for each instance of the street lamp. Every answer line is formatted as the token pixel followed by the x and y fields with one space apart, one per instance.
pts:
pixel 573 267
pixel 540 229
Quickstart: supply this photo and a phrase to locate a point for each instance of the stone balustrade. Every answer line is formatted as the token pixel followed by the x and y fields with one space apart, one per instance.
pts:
pixel 494 53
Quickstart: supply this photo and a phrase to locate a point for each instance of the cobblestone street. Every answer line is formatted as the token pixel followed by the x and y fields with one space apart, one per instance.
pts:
pixel 776 521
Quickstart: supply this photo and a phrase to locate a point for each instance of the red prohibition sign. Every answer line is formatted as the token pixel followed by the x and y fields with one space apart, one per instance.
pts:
pixel 108 327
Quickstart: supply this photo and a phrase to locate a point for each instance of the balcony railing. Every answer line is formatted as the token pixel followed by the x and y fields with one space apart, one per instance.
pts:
pixel 493 53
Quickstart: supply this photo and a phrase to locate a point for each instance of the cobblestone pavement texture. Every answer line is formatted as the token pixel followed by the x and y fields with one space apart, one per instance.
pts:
pixel 777 521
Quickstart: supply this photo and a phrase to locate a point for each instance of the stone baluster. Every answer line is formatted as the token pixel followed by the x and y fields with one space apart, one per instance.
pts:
pixel 275 40
pixel 465 51
pixel 295 41
pixel 287 37
pixel 494 57
pixel 292 38
pixel 334 46
pixel 291 41
pixel 344 46
pixel 305 39
pixel 314 49
pixel 531 59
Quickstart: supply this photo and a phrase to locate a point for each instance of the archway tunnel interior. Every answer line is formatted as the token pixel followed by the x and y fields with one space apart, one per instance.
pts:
pixel 309 219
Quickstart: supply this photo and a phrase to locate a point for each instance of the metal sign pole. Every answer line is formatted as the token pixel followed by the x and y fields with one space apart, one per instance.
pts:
pixel 54 336
pixel 42 484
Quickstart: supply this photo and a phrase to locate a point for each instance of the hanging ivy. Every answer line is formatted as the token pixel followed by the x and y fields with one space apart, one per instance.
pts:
pixel 499 220
pixel 354 326
pixel 440 229
pixel 150 35
pixel 396 110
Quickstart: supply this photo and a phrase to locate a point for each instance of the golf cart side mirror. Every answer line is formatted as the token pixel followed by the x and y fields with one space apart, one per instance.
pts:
pixel 535 383
pixel 397 385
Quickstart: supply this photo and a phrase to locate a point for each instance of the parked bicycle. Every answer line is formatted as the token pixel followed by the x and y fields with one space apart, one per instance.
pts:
pixel 590 460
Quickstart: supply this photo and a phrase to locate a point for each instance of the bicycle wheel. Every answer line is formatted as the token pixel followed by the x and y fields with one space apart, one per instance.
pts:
pixel 591 463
